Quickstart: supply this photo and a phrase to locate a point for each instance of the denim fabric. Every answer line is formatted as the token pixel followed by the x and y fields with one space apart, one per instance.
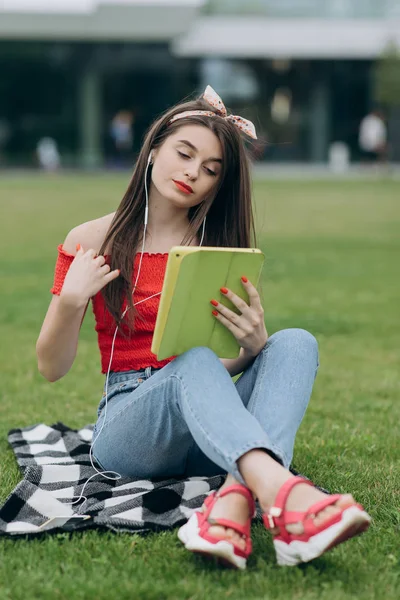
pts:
pixel 190 419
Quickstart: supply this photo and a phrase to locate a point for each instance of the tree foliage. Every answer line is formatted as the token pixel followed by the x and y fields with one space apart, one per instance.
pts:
pixel 387 77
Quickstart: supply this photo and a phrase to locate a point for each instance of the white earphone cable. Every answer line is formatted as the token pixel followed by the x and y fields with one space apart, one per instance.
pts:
pixel 103 473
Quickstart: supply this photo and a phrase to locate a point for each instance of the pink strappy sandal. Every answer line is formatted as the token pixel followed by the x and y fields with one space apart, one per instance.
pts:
pixel 292 549
pixel 194 534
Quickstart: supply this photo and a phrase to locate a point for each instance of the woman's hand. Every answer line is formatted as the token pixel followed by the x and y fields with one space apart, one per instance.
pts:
pixel 87 275
pixel 248 327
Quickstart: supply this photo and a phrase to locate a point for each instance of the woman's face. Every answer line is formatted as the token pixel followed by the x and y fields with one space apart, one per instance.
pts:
pixel 187 166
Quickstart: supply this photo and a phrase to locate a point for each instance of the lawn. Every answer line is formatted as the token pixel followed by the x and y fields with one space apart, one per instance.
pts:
pixel 333 255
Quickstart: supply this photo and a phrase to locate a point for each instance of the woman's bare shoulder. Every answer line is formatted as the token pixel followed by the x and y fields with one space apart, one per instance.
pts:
pixel 89 235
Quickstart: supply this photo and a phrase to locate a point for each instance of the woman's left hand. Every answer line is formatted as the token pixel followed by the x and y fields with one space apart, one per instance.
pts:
pixel 247 327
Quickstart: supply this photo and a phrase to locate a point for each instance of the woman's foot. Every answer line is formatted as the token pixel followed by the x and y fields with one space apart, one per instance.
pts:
pixel 301 498
pixel 306 523
pixel 221 529
pixel 233 507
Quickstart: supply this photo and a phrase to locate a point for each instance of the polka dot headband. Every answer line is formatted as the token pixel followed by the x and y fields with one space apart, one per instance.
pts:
pixel 214 100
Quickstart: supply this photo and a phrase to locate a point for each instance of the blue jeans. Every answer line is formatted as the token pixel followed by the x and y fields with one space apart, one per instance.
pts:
pixel 190 419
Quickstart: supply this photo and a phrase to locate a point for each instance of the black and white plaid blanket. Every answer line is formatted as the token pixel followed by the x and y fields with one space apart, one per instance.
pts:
pixel 55 463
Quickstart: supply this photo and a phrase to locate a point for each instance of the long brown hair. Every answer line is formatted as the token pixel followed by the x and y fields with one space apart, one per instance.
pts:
pixel 230 221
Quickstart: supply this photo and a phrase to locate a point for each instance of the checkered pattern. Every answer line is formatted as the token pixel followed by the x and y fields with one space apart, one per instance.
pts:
pixel 55 464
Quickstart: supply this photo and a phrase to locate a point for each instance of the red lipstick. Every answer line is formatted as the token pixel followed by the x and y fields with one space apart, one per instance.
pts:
pixel 183 187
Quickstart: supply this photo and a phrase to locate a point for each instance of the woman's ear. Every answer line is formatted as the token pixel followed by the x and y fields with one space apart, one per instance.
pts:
pixel 153 153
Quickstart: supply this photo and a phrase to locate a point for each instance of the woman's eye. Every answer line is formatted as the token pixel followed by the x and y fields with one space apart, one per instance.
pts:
pixel 187 157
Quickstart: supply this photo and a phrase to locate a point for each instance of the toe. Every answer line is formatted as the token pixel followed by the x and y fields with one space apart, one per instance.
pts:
pixel 323 515
pixel 345 500
pixel 227 534
pixel 334 509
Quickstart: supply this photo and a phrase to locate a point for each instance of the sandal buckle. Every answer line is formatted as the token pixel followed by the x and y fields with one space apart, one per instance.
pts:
pixel 274 511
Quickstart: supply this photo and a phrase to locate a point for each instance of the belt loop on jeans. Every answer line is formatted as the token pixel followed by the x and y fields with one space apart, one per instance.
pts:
pixel 147 372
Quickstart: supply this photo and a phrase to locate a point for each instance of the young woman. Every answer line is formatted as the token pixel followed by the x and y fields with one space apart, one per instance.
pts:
pixel 184 416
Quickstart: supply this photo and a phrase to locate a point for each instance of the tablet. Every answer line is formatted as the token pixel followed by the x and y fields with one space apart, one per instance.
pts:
pixel 193 277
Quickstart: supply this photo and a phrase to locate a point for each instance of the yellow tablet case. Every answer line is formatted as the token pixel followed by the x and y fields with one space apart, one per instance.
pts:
pixel 194 276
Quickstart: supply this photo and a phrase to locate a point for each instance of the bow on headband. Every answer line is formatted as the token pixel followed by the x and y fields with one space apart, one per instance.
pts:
pixel 214 100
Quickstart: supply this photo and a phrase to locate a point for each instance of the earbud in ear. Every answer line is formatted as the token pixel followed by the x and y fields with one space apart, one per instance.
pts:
pixel 150 159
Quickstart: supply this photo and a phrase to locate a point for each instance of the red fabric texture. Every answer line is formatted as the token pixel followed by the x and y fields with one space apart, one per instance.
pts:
pixel 134 351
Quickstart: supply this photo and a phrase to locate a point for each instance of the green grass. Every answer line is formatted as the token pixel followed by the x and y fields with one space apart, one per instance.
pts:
pixel 333 268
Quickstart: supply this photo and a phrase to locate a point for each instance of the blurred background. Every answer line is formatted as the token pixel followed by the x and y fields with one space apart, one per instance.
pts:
pixel 81 80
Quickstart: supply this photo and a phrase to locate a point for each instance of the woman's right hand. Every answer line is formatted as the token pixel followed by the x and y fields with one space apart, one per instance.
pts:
pixel 87 275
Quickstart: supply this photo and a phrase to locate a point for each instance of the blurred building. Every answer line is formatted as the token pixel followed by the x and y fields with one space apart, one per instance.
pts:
pixel 68 67
pixel 301 69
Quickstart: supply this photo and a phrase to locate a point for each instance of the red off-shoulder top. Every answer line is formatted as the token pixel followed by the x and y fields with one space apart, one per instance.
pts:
pixel 131 352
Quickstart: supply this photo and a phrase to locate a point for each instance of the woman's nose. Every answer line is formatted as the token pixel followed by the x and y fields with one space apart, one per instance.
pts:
pixel 192 172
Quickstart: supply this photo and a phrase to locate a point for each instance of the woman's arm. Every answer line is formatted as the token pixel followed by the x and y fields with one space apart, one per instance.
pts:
pixel 58 339
pixel 57 343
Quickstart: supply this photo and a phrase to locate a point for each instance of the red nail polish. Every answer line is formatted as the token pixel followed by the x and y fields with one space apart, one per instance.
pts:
pixel 224 290
pixel 78 247
pixel 244 279
pixel 214 302
pixel 215 313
